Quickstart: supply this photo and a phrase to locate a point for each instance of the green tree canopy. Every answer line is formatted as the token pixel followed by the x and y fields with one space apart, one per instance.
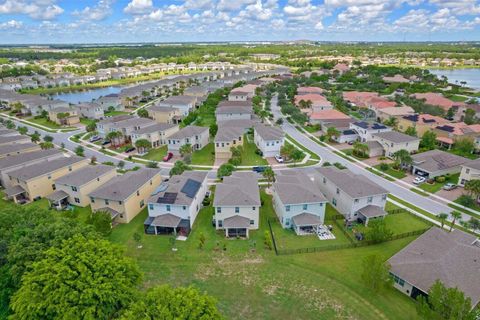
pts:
pixel 375 273
pixel 429 140
pixel 178 168
pixel 225 170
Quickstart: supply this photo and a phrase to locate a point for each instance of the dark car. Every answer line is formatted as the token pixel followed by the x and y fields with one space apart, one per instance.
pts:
pixel 168 157
pixel 130 149
pixel 106 142
pixel 259 169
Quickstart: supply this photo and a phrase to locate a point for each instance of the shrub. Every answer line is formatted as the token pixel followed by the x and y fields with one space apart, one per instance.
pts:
pixel 440 179
pixel 268 240
pixel 384 166
pixel 326 164
pixel 382 158
pixel 466 201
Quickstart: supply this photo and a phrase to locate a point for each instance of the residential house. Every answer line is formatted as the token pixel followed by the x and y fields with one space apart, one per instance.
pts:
pixel 298 202
pixel 237 204
pixel 341 68
pixel 438 255
pixel 233 113
pixel 174 205
pixel 434 163
pixel 165 114
pixel 421 122
pixel 268 139
pixel 90 110
pixel 238 95
pixel 199 92
pixel 470 171
pixel 107 125
pixel 317 101
pixel 359 98
pixel 75 187
pixel 309 90
pixel 126 195
pixel 448 134
pixel 393 141
pixel 36 180
pixel 366 129
pixel 354 196
pixel 110 101
pixel 157 133
pixel 17 139
pixel 228 103
pixel 17 148
pixel 184 103
pixel 398 78
pixel 197 137
pixel 226 138
pixel 64 116
pixel 437 99
pixel 15 162
pixel 393 112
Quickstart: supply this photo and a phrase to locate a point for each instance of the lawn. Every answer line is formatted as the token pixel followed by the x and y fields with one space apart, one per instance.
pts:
pixel 156 154
pixel 249 157
pixel 87 121
pixel 349 152
pixel 436 186
pixel 470 156
pixel 204 156
pixel 45 122
pixel 394 173
pixel 250 282
pixel 115 113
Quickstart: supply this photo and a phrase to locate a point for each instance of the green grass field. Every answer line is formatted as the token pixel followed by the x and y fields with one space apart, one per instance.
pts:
pixel 394 173
pixel 45 122
pixel 204 156
pixel 115 113
pixel 249 157
pixel 436 186
pixel 156 154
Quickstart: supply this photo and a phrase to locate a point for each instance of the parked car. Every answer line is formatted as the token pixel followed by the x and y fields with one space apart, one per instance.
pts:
pixel 94 138
pixel 449 186
pixel 351 142
pixel 419 180
pixel 279 158
pixel 168 157
pixel 130 149
pixel 105 142
pixel 259 169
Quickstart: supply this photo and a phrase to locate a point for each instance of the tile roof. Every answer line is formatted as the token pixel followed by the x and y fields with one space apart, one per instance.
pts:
pixel 84 175
pixel 329 115
pixel 240 189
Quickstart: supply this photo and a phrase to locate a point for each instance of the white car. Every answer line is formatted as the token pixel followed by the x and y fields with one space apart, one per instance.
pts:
pixel 279 158
pixel 419 180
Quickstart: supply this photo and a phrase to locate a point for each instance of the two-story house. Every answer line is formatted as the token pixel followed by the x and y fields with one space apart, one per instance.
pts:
pixel 165 114
pixel 233 113
pixel 268 139
pixel 196 136
pixel 184 103
pixel 365 130
pixel 157 134
pixel 470 171
pixel 226 138
pixel 393 141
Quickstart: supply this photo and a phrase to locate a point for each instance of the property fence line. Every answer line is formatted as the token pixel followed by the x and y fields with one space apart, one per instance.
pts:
pixel 271 235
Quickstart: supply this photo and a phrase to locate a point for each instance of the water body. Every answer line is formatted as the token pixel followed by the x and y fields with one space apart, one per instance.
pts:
pixel 86 95
pixel 471 76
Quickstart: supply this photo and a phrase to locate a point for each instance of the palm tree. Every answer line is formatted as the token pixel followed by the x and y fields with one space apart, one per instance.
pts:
pixel 143 145
pixel 286 151
pixel 114 137
pixel 360 149
pixel 186 149
pixel 456 216
pixel 35 137
pixel 403 158
pixel 332 132
pixel 473 187
pixel 269 174
pixel 263 114
pixel 442 217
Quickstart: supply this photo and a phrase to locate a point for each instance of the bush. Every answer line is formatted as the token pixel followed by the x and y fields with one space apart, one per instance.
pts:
pixel 384 166
pixel 466 201
pixel 326 164
pixel 268 240
pixel 382 158
pixel 440 179
pixel 396 166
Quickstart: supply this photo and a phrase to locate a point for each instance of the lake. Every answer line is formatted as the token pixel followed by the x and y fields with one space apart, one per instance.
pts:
pixel 86 95
pixel 471 76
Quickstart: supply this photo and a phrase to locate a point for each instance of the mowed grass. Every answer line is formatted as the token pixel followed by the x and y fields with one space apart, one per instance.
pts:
pixel 250 282
pixel 399 174
pixel 45 122
pixel 156 154
pixel 204 156
pixel 249 157
pixel 436 186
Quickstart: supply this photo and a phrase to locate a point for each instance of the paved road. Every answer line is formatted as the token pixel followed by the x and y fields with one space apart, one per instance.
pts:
pixel 326 154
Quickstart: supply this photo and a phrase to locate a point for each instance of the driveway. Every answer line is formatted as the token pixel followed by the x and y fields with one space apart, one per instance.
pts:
pixel 452 194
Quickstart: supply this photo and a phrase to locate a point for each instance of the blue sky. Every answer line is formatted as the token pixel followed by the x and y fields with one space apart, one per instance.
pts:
pixel 103 21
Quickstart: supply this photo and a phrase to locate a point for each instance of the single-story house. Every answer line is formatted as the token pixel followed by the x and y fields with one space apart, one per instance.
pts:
pixel 434 163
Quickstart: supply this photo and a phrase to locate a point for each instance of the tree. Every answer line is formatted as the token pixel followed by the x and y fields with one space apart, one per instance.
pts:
pixel 263 114
pixel 121 164
pixel 165 302
pixel 115 137
pixel 152 165
pixel 469 116
pixel 411 131
pixel 213 129
pixel 279 121
pixel 442 217
pixel 10 125
pixel 201 240
pixel 360 149
pixel 286 150
pixel 225 170
pixel 403 158
pixel 79 151
pixel 142 113
pixel 178 168
pixel 46 145
pixel 23 130
pixel 91 127
pixel 186 149
pixel 93 272
pixel 375 273
pixel 332 132
pixel 93 160
pixel 445 303
pixel 297 155
pixel 269 174
pixel 268 240
pixel 464 145
pixel 48 138
pixel 143 145
pixel 450 114
pixel 35 137
pixel 455 216
pixel 101 221
pixel 428 141
pixel 391 121
pixel 378 231
pixel 473 188
pixel 474 223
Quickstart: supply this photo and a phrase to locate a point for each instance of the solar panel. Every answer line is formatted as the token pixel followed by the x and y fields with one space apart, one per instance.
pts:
pixel 190 188
pixel 378 126
pixel 428 120
pixel 168 198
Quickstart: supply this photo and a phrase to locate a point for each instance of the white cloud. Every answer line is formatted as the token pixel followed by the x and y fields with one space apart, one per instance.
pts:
pixel 12 24
pixel 39 9
pixel 459 7
pixel 233 5
pixel 138 6
pixel 99 12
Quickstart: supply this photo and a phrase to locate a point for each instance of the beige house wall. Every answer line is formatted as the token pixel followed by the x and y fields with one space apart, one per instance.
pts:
pixel 164 117
pixel 224 152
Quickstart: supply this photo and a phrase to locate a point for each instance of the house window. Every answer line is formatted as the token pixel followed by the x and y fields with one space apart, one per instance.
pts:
pixel 120 202
pixel 142 203
pixel 287 221
pixel 76 200
pixel 106 202
pixel 184 207
pixel 169 207
pixel 370 199
pixel 138 193
pixel 324 180
pixel 54 187
pixel 219 210
pixel 220 223
pixel 338 191
pixel 305 206
pixel 98 179
pixel 49 177
pixel 150 206
pixel 321 204
pixel 356 201
pixel 384 197
pixel 254 208
pixel 334 201
pixel 74 189
pixel 92 200
pixel 252 222
pixel 237 209
pixel 287 208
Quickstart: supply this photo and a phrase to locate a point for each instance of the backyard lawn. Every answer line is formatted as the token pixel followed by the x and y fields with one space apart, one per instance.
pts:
pixel 87 121
pixel 115 113
pixel 250 282
pixel 249 157
pixel 204 156
pixel 436 186
pixel 156 154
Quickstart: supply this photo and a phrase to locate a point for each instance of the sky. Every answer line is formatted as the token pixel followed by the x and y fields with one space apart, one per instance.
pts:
pixel 114 21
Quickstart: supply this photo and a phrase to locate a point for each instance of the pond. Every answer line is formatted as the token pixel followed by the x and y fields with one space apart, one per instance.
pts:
pixel 86 95
pixel 471 76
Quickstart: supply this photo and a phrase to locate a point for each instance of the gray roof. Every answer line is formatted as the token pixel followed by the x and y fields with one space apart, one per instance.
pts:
pixel 17 147
pixel 243 123
pixel 228 134
pixel 157 108
pixel 178 100
pixel 14 139
pixel 233 110
pixel 451 257
pixel 474 164
pixel 157 127
pixel 395 136
pixel 176 184
pixel 84 175
pixel 355 185
pixel 15 160
pixel 295 187
pixel 224 104
pixel 13 191
pixel 57 196
pixel 269 132
pixel 122 187
pixel 437 160
pixel 372 211
pixel 44 167
pixel 4 131
pixel 373 144
pixel 240 189
pixel 236 222
pixel 188 131
pixel 113 213
pixel 306 219
pixel 166 220
pixel 115 119
pixel 134 122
